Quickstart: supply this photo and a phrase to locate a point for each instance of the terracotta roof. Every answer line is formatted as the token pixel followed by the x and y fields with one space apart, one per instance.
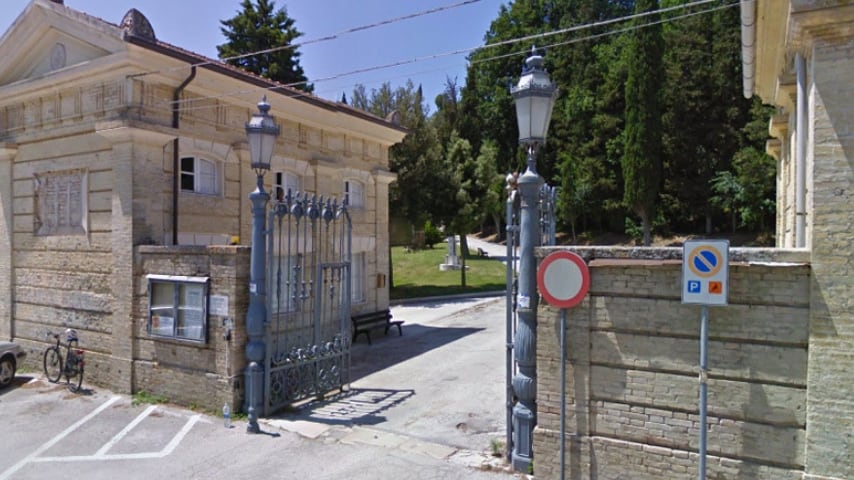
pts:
pixel 257 80
pixel 145 38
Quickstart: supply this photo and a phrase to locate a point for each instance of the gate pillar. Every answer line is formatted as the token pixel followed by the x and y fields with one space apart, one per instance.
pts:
pixel 256 316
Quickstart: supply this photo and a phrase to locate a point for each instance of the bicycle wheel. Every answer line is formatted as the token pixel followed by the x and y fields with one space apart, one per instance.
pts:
pixel 76 380
pixel 52 364
pixel 74 369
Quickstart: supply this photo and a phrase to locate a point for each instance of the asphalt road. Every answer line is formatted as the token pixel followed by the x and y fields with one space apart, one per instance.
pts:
pixel 428 404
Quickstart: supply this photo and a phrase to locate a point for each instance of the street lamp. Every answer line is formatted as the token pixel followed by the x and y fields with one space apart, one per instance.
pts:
pixel 534 96
pixel 261 131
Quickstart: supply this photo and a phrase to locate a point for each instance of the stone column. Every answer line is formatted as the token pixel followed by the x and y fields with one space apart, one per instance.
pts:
pixel 381 228
pixel 126 142
pixel 830 410
pixel 7 156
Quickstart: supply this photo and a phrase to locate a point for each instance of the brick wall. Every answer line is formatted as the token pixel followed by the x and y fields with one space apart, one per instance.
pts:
pixel 632 365
pixel 208 374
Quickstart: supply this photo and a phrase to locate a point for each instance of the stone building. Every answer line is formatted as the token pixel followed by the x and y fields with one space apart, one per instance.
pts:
pixel 124 158
pixel 780 354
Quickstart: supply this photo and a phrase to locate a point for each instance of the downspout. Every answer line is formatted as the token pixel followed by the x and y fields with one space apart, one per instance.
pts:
pixel 748 45
pixel 801 152
pixel 176 174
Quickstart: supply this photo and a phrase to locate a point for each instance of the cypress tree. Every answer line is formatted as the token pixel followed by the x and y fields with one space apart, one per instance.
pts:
pixel 641 160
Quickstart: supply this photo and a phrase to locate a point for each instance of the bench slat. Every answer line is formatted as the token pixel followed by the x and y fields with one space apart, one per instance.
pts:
pixel 366 322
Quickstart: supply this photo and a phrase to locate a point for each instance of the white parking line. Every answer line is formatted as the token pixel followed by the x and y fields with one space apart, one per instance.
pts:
pixel 107 446
pixel 101 454
pixel 168 449
pixel 53 441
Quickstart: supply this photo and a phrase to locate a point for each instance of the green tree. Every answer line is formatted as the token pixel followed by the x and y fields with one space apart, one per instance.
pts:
pixel 257 27
pixel 642 148
pixel 704 114
pixel 756 171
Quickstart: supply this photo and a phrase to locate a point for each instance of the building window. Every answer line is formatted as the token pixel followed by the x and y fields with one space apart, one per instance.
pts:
pixel 178 307
pixel 286 181
pixel 357 278
pixel 199 175
pixel 287 283
pixel 60 203
pixel 354 194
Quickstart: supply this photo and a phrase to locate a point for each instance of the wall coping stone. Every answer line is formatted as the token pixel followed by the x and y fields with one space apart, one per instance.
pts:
pixel 652 256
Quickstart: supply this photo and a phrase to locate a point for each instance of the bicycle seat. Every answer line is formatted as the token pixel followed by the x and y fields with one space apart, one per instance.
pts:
pixel 70 335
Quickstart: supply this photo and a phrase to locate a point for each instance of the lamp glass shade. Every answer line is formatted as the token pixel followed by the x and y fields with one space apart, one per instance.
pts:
pixel 261 131
pixel 534 96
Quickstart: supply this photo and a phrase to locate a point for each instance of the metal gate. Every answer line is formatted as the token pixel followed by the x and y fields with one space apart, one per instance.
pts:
pixel 547 210
pixel 308 303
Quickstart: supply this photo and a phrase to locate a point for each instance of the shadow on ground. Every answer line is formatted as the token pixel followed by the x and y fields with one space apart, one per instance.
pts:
pixel 387 351
pixel 359 406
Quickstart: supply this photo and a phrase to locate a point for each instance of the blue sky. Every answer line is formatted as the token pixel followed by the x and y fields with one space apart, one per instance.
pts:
pixel 194 25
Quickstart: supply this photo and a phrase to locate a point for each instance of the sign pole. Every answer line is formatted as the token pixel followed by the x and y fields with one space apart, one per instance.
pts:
pixel 562 393
pixel 704 361
pixel 705 281
pixel 564 280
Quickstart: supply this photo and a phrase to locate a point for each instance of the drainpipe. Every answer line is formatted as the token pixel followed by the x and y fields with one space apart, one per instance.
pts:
pixel 801 153
pixel 176 173
pixel 748 45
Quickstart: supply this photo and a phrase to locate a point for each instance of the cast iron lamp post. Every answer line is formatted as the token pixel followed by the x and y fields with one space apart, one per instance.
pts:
pixel 534 96
pixel 261 131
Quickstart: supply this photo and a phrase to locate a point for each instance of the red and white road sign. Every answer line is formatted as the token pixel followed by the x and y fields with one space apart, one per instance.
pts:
pixel 563 279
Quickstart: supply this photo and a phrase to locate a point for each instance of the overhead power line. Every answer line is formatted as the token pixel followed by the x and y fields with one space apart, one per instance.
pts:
pixel 461 51
pixel 327 38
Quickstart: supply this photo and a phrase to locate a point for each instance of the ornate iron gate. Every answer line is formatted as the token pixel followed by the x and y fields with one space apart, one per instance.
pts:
pixel 308 303
pixel 547 209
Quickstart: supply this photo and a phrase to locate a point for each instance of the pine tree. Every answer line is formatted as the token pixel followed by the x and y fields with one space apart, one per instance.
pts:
pixel 642 150
pixel 260 27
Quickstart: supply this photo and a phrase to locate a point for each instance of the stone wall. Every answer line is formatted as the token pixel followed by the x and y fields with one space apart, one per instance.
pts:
pixel 202 374
pixel 118 133
pixel 632 366
pixel 830 408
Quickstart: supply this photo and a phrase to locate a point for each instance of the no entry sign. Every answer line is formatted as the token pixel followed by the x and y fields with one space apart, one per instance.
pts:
pixel 563 279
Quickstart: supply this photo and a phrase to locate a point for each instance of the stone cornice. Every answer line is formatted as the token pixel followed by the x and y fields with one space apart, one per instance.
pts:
pixel 8 149
pixel 122 131
pixel 384 176
pixel 815 20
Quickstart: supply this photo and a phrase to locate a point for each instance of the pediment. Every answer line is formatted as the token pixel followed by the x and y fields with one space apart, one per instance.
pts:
pixel 49 37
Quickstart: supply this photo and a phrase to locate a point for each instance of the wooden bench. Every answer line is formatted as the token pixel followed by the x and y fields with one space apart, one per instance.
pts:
pixel 366 322
pixel 481 252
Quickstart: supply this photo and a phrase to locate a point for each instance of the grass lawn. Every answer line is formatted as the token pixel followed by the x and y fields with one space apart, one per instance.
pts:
pixel 417 274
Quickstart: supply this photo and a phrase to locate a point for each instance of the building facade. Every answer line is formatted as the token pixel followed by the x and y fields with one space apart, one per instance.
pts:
pixel 780 354
pixel 117 149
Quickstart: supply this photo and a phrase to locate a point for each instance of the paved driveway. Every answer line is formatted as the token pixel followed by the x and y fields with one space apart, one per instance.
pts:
pixel 424 405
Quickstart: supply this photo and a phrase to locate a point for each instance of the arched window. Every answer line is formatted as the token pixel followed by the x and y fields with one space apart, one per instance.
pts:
pixel 200 175
pixel 357 278
pixel 286 181
pixel 354 193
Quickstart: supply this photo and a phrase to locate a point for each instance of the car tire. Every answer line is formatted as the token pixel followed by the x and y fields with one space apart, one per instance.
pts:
pixel 7 371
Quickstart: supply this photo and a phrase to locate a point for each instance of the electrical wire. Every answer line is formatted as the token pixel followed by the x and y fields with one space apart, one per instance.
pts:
pixel 481 47
pixel 334 36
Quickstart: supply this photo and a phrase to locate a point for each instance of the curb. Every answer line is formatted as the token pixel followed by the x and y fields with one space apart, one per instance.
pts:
pixel 458 296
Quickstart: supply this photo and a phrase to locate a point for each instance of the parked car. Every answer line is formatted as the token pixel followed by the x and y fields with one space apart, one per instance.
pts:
pixel 10 356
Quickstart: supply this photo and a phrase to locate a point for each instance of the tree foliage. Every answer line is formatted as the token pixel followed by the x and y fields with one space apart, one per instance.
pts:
pixel 642 141
pixel 691 162
pixel 258 27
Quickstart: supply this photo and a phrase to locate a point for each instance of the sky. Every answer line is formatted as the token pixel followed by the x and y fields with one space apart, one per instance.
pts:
pixel 195 25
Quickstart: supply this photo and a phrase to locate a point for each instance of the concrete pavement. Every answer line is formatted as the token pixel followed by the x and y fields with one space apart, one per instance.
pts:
pixel 429 404
pixel 438 391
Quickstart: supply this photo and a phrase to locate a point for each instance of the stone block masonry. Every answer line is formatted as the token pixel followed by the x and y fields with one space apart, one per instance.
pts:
pixel 632 364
